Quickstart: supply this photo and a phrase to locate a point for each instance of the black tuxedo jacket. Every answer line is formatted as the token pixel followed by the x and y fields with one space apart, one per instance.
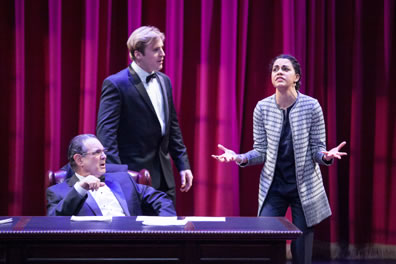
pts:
pixel 129 128
pixel 135 199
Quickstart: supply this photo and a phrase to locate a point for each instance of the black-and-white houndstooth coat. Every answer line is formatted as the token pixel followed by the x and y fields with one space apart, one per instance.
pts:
pixel 309 139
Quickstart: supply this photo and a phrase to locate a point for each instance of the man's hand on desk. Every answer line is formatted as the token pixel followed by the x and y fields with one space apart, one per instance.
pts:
pixel 91 183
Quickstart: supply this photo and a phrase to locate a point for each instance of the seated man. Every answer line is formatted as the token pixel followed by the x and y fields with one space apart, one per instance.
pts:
pixel 85 194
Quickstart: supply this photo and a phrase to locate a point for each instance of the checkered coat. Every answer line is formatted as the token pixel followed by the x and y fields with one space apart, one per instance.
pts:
pixel 309 139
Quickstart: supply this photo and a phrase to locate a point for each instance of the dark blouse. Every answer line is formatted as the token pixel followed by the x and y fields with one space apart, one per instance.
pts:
pixel 285 171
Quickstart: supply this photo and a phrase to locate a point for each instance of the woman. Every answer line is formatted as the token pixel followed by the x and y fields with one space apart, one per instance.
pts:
pixel 289 138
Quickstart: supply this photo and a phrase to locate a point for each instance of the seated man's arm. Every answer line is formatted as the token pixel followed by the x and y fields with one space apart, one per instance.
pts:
pixel 157 202
pixel 59 205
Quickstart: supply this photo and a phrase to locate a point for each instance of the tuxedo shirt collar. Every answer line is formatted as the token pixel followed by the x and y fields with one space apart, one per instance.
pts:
pixel 140 72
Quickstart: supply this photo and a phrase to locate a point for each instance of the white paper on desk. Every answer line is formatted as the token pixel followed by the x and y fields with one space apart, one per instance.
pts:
pixel 92 218
pixel 205 219
pixel 5 221
pixel 149 218
pixel 164 222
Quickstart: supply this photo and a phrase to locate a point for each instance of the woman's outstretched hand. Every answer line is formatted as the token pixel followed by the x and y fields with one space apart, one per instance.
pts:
pixel 334 152
pixel 227 156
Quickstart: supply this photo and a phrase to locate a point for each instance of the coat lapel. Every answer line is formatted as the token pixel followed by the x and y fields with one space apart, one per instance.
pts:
pixel 119 194
pixel 165 97
pixel 93 205
pixel 134 78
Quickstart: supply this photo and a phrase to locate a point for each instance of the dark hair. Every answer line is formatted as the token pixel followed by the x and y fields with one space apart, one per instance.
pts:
pixel 77 146
pixel 294 62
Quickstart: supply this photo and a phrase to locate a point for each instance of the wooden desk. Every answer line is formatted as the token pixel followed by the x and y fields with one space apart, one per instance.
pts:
pixel 59 240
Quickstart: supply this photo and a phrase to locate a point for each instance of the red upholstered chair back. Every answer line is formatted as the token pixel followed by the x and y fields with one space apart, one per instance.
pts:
pixel 141 177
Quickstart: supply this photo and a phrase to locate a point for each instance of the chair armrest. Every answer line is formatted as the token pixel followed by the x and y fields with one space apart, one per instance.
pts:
pixel 141 177
pixel 51 180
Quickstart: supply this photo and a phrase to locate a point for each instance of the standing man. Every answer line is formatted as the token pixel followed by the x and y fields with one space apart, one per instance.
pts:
pixel 137 120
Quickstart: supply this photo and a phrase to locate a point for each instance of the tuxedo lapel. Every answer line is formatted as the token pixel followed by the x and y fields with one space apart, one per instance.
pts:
pixel 93 205
pixel 135 80
pixel 118 193
pixel 165 96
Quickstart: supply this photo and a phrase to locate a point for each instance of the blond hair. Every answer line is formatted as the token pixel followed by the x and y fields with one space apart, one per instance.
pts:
pixel 142 37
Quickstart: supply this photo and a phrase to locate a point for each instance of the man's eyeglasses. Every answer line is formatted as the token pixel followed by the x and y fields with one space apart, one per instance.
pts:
pixel 96 153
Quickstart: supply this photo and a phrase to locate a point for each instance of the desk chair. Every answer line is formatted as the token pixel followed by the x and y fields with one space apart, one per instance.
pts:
pixel 141 177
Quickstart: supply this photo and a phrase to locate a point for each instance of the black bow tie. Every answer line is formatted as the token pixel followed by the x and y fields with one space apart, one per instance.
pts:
pixel 102 178
pixel 151 76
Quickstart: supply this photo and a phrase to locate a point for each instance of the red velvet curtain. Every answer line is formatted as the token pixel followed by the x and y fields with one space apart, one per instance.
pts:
pixel 55 55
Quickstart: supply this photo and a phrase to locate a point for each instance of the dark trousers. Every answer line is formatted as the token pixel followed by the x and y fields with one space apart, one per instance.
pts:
pixel 171 192
pixel 276 204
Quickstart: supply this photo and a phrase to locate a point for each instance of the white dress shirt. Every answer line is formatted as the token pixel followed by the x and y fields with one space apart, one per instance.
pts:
pixel 153 89
pixel 104 197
